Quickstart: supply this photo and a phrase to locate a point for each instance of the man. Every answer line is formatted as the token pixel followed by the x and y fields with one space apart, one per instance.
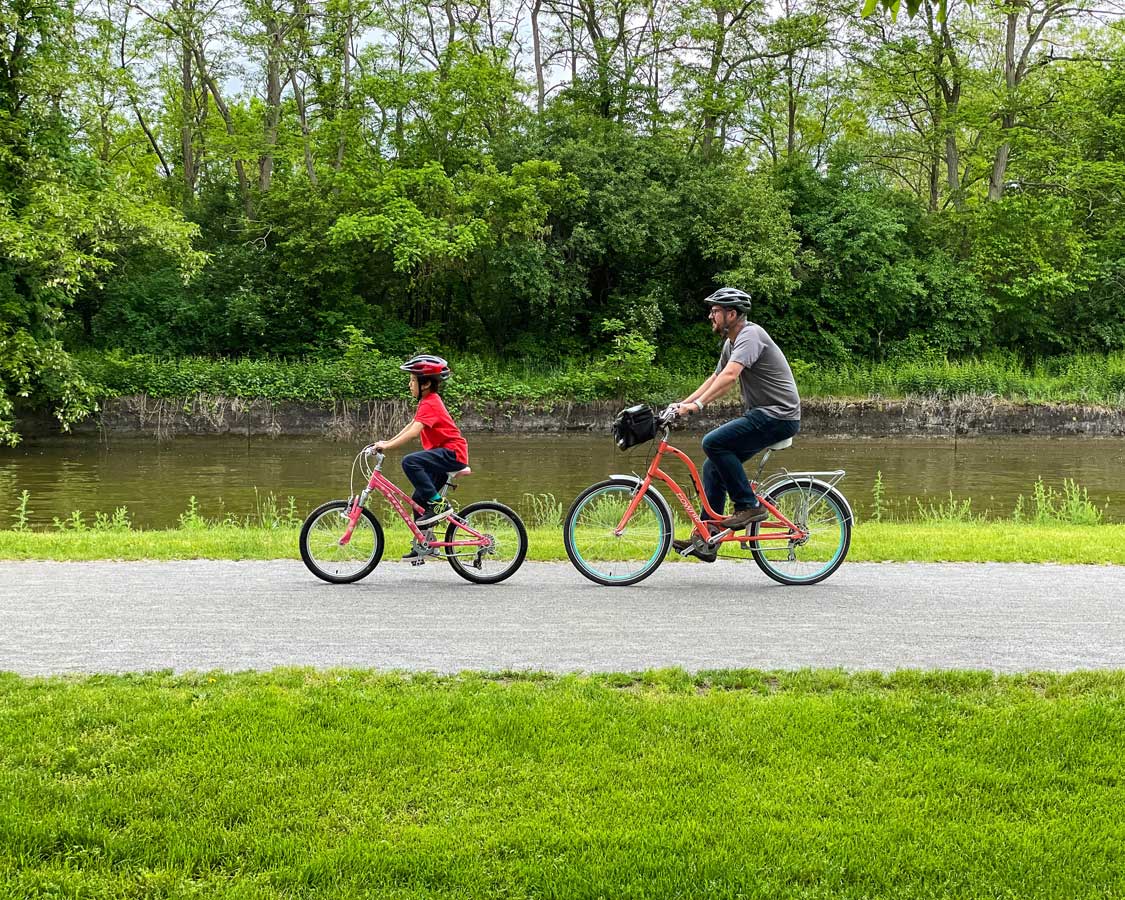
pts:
pixel 772 411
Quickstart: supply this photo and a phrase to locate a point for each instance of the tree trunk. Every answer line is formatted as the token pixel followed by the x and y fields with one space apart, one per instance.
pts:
pixel 953 168
pixel 791 109
pixel 710 118
pixel 537 52
pixel 999 169
pixel 224 111
pixel 187 111
pixel 343 123
pixel 1008 119
pixel 303 117
pixel 274 38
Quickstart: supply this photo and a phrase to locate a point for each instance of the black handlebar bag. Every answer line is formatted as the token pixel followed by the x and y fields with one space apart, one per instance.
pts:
pixel 633 426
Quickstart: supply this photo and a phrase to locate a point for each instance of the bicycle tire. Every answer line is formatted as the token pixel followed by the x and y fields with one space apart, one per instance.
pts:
pixel 349 568
pixel 832 530
pixel 472 568
pixel 603 504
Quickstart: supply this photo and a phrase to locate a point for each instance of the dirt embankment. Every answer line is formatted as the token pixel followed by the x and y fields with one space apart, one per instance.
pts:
pixel 914 417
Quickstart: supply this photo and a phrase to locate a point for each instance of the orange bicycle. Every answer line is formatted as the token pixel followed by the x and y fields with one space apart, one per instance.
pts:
pixel 619 531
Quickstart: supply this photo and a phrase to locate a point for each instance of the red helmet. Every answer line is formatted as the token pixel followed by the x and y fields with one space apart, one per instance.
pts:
pixel 425 366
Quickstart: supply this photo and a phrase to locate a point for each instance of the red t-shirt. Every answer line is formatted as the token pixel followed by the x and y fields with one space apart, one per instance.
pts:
pixel 438 428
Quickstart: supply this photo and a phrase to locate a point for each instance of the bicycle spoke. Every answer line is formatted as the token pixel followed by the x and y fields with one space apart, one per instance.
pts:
pixel 500 557
pixel 326 557
pixel 820 514
pixel 599 551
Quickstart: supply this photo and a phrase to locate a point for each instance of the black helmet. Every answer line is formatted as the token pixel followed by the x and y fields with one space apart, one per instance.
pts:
pixel 423 365
pixel 730 298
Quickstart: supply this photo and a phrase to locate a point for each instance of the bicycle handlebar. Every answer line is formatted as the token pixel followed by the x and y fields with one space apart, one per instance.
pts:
pixel 370 450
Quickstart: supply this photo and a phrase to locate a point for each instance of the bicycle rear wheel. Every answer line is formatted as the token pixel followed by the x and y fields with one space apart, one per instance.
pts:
pixel 506 549
pixel 332 561
pixel 616 559
pixel 823 512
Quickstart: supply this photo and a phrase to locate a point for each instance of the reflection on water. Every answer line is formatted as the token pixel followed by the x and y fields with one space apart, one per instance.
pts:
pixel 155 480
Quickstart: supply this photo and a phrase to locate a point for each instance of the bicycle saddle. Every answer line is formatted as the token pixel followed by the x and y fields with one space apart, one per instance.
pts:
pixel 781 445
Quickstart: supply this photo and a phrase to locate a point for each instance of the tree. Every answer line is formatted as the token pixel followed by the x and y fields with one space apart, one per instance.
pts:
pixel 67 209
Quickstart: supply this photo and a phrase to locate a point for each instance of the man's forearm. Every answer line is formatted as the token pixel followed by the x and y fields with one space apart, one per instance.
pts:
pixel 715 387
pixel 700 391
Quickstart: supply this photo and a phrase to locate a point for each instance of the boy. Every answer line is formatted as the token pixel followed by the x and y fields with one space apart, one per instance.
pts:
pixel 444 449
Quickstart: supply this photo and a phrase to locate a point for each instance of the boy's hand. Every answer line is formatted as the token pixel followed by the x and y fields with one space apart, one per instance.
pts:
pixel 377 447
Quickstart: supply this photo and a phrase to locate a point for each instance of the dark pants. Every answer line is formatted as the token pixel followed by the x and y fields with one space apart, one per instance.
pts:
pixel 729 446
pixel 427 469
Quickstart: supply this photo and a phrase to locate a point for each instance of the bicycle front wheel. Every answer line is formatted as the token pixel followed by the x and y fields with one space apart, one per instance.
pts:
pixel 332 561
pixel 601 554
pixel 505 551
pixel 824 513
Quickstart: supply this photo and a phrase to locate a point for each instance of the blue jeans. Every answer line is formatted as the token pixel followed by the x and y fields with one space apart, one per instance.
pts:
pixel 729 446
pixel 427 469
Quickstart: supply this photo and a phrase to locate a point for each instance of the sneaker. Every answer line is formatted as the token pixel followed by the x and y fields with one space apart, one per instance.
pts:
pixel 692 550
pixel 434 514
pixel 744 517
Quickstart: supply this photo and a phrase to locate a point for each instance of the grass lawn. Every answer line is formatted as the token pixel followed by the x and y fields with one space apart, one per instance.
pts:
pixel 873 541
pixel 344 784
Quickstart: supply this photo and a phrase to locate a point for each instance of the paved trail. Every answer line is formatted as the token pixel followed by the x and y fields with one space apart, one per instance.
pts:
pixel 113 617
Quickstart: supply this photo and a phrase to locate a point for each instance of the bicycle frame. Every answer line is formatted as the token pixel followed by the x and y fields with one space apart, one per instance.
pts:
pixel 399 500
pixel 780 527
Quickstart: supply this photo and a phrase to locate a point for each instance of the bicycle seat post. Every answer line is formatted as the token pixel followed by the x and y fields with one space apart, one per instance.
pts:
pixel 762 464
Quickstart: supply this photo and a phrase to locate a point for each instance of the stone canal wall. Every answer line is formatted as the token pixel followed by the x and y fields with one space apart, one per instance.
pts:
pixel 353 420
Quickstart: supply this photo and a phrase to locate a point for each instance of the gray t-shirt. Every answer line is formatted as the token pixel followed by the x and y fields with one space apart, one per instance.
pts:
pixel 767 381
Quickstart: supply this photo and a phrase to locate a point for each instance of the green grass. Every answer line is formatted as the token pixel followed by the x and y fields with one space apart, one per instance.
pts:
pixel 975 541
pixel 344 784
pixel 361 374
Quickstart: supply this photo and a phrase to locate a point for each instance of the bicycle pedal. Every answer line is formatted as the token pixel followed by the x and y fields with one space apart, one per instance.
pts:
pixel 419 561
pixel 713 541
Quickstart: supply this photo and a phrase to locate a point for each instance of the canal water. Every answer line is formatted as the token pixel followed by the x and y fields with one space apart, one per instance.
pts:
pixel 235 476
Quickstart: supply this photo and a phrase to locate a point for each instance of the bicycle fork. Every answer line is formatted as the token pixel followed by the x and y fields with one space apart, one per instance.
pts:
pixel 353 512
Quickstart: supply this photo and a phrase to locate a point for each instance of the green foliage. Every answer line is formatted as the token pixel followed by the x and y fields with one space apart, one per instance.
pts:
pixel 627 370
pixel 407 176
pixel 1071 506
pixel 631 370
pixel 950 510
pixel 66 217
pixel 1082 378
pixel 878 503
pixel 543 510
pixel 39 369
pixel 22 514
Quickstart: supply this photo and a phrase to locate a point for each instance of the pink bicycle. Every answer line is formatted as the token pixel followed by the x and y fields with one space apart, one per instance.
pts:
pixel 342 541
